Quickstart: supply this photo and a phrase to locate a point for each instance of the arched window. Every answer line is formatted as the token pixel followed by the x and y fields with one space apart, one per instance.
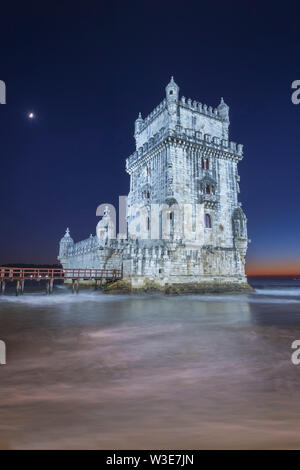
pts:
pixel 202 163
pixel 207 164
pixel 207 221
pixel 207 189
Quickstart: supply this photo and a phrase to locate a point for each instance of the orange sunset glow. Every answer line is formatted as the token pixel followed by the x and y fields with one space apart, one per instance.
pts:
pixel 273 268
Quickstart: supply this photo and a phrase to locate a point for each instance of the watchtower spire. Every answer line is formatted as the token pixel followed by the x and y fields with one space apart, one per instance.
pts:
pixel 138 123
pixel 223 110
pixel 172 90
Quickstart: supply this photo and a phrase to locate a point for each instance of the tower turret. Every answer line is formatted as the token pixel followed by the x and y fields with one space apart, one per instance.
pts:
pixel 65 243
pixel 138 123
pixel 223 110
pixel 105 229
pixel 239 225
pixel 172 94
pixel 172 91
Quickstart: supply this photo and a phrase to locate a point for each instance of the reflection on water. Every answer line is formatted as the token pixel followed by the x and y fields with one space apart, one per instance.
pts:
pixel 117 372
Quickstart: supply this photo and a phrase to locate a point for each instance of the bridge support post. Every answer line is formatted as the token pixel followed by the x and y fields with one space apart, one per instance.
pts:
pixel 18 288
pixel 22 286
pixel 75 286
pixel 2 287
pixel 49 286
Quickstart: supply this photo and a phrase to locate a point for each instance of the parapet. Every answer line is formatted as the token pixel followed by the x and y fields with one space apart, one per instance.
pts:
pixel 200 108
pixel 185 135
pixel 143 123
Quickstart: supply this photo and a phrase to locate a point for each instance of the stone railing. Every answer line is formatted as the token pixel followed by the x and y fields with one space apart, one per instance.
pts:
pixel 187 135
pixel 84 246
pixel 208 199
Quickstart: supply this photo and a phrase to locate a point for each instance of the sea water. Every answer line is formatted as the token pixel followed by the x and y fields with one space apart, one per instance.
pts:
pixel 93 371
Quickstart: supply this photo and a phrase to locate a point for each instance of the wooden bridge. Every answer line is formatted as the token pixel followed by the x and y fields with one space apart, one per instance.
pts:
pixel 49 275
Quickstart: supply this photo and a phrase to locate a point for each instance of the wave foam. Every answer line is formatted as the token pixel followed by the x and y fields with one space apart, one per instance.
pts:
pixel 279 292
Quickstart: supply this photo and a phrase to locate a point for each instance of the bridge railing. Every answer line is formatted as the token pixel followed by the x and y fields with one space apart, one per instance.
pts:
pixel 30 273
pixel 7 273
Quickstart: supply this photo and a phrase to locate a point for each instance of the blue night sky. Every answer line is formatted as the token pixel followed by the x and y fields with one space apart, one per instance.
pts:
pixel 86 70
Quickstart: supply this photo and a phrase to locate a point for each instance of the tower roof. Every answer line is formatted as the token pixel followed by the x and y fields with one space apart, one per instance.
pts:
pixel 67 237
pixel 223 110
pixel 223 104
pixel 172 84
pixel 172 90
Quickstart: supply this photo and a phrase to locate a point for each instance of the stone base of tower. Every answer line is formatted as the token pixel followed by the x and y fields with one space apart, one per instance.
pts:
pixel 163 266
pixel 177 286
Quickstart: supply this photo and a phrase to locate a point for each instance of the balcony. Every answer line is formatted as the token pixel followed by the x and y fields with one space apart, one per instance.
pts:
pixel 209 200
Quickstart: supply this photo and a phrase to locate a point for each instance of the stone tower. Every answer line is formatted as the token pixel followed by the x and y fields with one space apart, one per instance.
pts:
pixel 184 158
pixel 186 228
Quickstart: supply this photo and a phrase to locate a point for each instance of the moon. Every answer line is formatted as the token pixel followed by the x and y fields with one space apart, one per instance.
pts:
pixel 31 115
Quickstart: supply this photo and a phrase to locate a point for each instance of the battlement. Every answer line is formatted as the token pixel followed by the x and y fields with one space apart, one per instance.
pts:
pixel 185 135
pixel 200 108
pixel 89 245
pixel 188 104
pixel 84 246
pixel 156 111
pixel 188 113
pixel 193 105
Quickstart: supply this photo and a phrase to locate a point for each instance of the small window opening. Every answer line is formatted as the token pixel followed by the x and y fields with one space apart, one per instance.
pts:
pixel 207 221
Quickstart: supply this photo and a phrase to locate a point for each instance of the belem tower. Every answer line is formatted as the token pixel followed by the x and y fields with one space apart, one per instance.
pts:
pixel 185 229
